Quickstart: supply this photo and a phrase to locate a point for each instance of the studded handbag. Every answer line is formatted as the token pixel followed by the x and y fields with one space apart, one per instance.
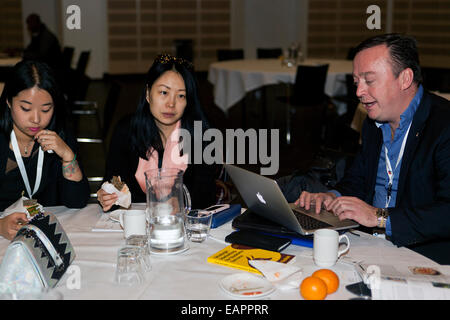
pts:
pixel 38 256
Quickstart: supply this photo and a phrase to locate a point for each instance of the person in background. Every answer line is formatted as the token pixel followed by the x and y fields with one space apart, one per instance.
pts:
pixel 149 138
pixel 37 154
pixel 44 45
pixel 400 180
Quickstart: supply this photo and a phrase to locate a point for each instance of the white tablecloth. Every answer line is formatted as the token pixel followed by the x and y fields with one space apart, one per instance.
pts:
pixel 188 275
pixel 233 79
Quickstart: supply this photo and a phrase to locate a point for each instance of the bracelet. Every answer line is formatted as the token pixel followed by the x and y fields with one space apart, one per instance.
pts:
pixel 71 162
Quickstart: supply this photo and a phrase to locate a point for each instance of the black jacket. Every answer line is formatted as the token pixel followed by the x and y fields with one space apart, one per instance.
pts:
pixel 54 189
pixel 123 162
pixel 420 219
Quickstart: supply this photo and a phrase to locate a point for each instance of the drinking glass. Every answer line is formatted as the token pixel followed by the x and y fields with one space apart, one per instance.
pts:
pixel 129 269
pixel 141 242
pixel 198 224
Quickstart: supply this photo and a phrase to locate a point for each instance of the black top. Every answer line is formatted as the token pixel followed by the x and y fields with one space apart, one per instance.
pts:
pixel 53 190
pixel 420 219
pixel 123 162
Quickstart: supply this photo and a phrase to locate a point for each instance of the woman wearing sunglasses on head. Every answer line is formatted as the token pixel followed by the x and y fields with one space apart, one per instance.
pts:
pixel 150 138
pixel 37 155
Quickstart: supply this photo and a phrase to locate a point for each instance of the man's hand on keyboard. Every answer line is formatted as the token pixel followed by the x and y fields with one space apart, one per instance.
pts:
pixel 355 209
pixel 319 200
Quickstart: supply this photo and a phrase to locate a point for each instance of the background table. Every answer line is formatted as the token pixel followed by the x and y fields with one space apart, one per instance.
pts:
pixel 9 62
pixel 234 78
pixel 188 275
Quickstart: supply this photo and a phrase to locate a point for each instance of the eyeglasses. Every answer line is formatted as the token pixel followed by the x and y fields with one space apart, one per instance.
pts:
pixel 167 58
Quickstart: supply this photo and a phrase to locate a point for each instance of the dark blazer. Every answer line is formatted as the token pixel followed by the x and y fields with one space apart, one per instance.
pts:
pixel 420 219
pixel 54 189
pixel 123 162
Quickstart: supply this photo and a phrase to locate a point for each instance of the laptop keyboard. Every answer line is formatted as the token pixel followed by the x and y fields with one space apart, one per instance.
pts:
pixel 309 223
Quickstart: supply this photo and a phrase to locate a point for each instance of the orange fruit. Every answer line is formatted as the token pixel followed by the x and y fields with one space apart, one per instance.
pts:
pixel 313 288
pixel 329 277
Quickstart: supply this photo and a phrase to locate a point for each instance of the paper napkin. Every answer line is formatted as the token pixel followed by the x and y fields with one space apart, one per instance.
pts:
pixel 124 198
pixel 283 276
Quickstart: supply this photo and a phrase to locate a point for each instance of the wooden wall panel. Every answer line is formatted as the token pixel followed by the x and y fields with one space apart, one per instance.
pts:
pixel 11 25
pixel 429 22
pixel 336 26
pixel 140 29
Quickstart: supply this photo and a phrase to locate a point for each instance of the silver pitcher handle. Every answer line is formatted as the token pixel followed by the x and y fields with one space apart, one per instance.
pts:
pixel 187 198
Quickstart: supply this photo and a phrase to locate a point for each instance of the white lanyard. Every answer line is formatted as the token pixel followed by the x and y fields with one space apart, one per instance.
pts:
pixel 23 172
pixel 389 170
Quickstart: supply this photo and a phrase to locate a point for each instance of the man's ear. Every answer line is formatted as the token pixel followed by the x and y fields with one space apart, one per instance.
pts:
pixel 7 102
pixel 406 78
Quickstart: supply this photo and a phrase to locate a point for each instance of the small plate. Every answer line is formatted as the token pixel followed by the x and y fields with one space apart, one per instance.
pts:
pixel 246 286
pixel 115 215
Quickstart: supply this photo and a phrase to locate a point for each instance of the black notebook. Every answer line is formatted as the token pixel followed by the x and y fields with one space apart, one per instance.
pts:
pixel 258 240
pixel 253 221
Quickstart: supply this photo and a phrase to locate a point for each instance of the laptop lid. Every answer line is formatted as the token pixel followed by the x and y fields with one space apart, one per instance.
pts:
pixel 264 197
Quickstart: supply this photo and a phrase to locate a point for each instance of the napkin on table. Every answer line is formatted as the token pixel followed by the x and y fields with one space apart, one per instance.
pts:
pixel 283 276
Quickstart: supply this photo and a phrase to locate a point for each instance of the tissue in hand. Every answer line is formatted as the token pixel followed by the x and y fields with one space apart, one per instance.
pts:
pixel 121 189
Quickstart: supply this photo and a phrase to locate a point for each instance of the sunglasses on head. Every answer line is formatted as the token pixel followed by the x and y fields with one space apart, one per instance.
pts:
pixel 167 58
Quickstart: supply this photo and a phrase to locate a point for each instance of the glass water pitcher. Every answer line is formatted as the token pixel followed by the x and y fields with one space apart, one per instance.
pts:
pixel 167 202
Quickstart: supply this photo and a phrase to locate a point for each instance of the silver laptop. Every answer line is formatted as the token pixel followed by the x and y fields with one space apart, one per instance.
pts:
pixel 263 196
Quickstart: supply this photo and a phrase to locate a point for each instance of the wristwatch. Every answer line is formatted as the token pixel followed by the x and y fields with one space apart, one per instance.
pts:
pixel 382 215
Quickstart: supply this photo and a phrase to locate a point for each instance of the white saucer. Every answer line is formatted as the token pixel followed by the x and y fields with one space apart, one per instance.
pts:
pixel 248 286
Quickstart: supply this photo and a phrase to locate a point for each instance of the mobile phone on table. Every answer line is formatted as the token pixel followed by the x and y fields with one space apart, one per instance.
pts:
pixel 222 213
pixel 217 208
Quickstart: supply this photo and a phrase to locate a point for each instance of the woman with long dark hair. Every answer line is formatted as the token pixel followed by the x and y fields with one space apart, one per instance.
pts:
pixel 150 138
pixel 37 156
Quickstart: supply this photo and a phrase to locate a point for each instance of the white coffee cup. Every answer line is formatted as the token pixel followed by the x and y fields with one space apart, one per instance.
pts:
pixel 326 247
pixel 133 222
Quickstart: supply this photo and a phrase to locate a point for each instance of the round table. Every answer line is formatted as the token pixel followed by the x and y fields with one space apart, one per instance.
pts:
pixel 234 78
pixel 188 275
